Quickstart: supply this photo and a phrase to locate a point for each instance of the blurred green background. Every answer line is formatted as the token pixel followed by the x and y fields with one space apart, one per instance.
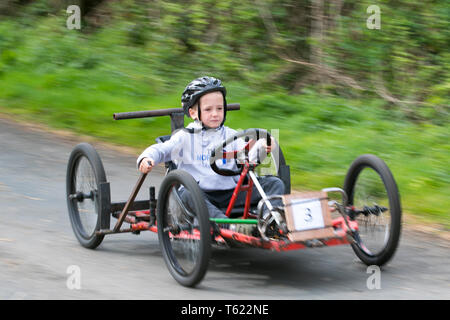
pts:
pixel 312 69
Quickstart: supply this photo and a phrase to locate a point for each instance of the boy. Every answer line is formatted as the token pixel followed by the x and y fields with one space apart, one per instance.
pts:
pixel 204 101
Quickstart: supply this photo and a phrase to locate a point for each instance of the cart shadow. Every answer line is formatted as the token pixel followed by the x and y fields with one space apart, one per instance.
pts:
pixel 259 270
pixel 265 270
pixel 131 247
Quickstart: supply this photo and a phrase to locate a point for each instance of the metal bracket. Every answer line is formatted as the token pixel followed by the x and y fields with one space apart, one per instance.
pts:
pixel 342 192
pixel 105 204
pixel 129 202
pixel 176 121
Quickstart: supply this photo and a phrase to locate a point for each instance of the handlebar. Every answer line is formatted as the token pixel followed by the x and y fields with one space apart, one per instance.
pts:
pixel 161 112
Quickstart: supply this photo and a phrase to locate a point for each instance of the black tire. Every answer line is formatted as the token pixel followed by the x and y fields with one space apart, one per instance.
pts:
pixel 369 182
pixel 186 259
pixel 85 173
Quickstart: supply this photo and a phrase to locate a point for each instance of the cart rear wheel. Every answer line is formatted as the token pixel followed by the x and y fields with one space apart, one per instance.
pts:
pixel 372 190
pixel 85 173
pixel 184 230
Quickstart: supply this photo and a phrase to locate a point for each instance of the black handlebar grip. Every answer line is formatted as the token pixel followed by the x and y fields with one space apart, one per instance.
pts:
pixel 247 138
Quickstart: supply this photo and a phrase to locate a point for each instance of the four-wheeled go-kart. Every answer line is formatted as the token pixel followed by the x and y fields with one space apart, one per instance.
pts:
pixel 366 214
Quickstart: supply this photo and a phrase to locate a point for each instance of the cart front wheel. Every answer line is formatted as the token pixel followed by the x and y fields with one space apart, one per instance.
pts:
pixel 85 174
pixel 375 201
pixel 184 230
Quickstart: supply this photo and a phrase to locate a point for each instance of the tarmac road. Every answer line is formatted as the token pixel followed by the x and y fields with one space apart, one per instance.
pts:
pixel 38 247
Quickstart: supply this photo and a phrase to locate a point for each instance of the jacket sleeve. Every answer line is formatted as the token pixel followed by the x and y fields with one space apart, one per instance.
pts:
pixel 163 152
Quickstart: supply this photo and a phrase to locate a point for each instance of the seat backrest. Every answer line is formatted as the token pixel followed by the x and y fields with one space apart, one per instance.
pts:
pixel 163 139
pixel 169 164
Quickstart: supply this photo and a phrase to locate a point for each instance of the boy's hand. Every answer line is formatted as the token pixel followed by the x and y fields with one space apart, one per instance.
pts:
pixel 269 148
pixel 146 165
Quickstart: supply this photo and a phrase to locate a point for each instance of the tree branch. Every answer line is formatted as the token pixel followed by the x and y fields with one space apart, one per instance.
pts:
pixel 318 66
pixel 321 69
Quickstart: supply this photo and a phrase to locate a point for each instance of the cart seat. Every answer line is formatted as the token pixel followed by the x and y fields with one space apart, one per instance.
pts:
pixel 170 165
pixel 163 139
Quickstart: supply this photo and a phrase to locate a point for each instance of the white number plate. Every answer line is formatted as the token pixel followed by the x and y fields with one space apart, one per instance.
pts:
pixel 307 215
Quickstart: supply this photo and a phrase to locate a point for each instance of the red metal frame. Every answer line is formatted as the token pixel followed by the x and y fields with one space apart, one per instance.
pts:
pixel 240 187
pixel 339 225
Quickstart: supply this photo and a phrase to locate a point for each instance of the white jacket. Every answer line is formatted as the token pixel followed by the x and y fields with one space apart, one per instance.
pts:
pixel 190 148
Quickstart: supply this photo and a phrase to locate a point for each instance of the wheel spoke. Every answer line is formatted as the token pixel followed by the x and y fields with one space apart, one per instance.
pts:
pixel 85 197
pixel 373 217
pixel 185 249
pixel 183 227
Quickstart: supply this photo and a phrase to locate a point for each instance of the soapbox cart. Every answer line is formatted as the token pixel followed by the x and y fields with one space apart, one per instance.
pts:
pixel 365 213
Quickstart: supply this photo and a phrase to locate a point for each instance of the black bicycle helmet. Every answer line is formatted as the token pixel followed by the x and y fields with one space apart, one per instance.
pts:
pixel 199 87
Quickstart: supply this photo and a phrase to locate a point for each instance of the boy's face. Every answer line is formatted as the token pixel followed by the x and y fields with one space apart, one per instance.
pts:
pixel 212 109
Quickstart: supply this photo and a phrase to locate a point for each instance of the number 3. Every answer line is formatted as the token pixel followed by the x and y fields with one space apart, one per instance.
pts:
pixel 308 216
